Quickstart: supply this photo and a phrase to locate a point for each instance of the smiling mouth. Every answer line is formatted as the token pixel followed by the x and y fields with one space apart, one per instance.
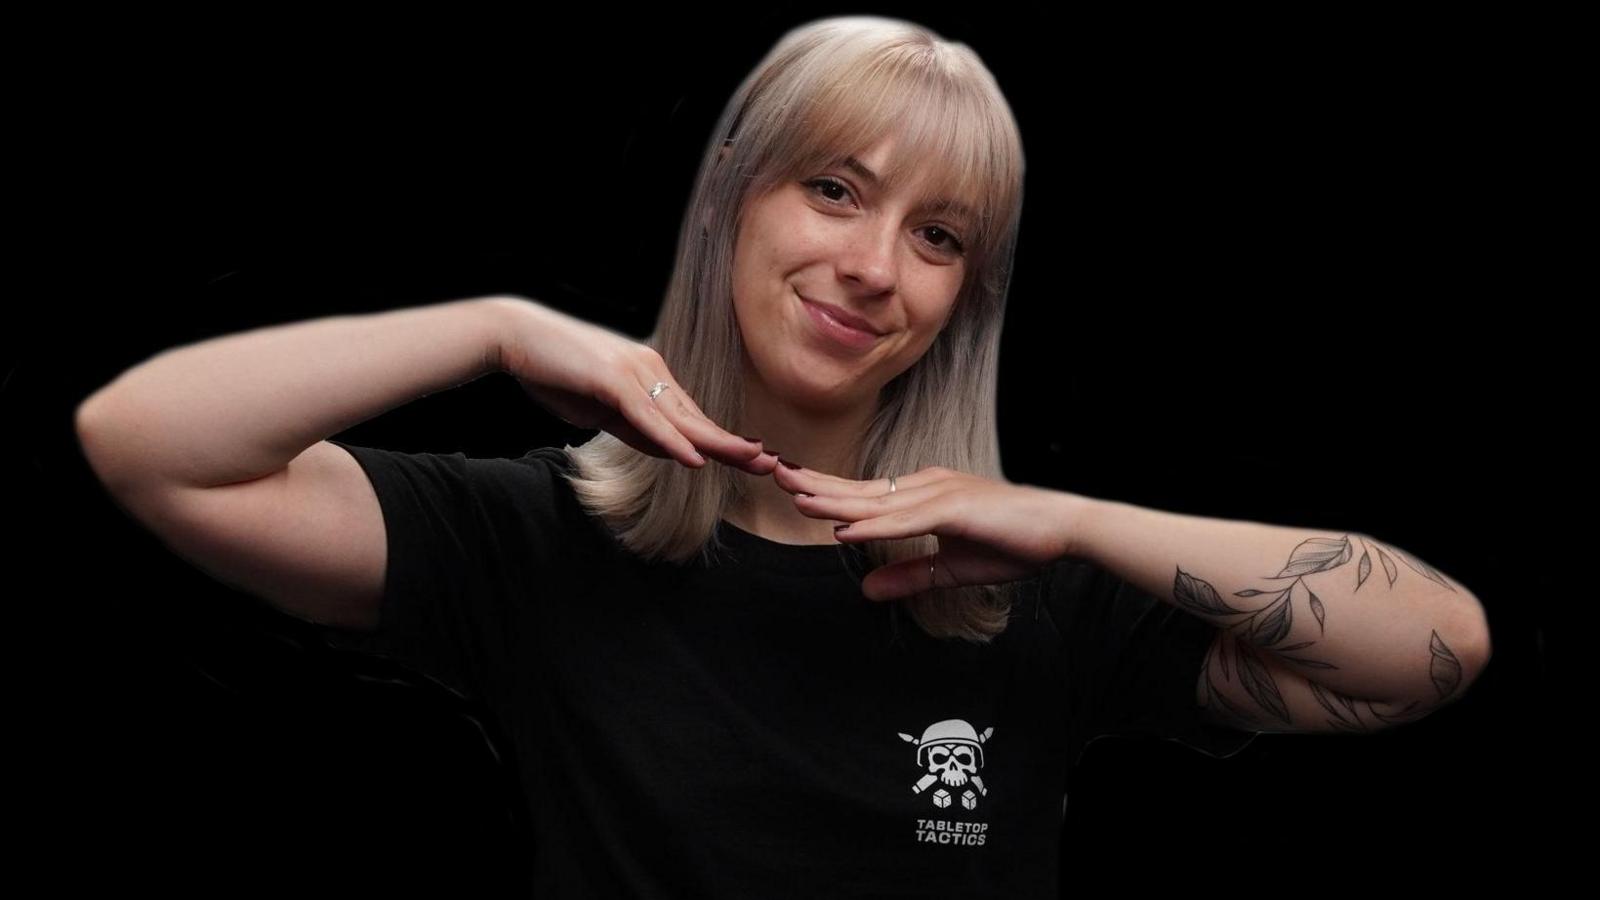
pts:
pixel 836 332
pixel 833 316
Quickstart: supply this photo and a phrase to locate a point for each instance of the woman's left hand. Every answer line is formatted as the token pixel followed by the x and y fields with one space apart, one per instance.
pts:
pixel 989 532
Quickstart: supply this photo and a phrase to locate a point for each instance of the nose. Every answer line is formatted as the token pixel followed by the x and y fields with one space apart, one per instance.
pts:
pixel 870 257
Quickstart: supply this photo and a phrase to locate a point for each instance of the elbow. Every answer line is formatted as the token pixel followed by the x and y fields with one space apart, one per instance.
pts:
pixel 1483 652
pixel 91 415
pixel 98 442
pixel 81 416
pixel 1478 645
pixel 1478 627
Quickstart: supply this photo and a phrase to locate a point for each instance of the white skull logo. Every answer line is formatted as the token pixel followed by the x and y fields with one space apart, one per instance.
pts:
pixel 954 754
pixel 952 763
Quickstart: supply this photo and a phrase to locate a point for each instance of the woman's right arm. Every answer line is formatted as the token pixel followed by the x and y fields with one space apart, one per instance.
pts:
pixel 219 446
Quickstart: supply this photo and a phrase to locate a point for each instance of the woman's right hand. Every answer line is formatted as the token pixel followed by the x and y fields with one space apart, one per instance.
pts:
pixel 592 377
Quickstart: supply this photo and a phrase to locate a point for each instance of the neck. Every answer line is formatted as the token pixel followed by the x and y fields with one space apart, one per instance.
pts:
pixel 827 441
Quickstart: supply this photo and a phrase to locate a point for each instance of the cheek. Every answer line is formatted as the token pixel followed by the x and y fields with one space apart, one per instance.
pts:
pixel 938 304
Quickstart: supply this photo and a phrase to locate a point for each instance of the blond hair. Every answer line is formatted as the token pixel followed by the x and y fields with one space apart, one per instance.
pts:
pixel 827 89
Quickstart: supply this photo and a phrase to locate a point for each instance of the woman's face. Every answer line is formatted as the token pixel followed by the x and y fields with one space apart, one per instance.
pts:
pixel 835 238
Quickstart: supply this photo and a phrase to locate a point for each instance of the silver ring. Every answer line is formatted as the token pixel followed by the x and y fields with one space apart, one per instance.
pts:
pixel 891 484
pixel 657 388
pixel 932 581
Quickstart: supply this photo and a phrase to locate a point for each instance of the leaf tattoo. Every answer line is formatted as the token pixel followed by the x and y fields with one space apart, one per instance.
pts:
pixel 1271 624
pixel 1444 668
pixel 1316 555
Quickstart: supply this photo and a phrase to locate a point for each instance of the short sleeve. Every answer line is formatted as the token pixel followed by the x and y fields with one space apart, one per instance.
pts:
pixel 468 540
pixel 1132 661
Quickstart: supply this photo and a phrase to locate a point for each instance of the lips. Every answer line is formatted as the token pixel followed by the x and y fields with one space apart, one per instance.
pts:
pixel 844 315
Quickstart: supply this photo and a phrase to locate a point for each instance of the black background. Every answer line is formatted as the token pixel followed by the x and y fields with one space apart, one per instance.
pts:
pixel 1295 270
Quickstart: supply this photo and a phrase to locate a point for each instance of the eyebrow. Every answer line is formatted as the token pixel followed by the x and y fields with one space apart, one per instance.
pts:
pixel 871 177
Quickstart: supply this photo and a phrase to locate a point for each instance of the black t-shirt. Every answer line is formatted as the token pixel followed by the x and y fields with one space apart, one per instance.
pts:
pixel 754 726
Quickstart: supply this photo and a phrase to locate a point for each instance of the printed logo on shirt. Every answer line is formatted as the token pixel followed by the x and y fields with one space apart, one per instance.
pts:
pixel 950 754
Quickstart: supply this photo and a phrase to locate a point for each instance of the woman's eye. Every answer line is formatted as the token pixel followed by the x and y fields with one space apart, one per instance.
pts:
pixel 950 244
pixel 821 184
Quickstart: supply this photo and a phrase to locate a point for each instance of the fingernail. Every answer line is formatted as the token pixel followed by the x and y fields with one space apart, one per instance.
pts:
pixel 839 528
pixel 753 440
pixel 803 494
pixel 788 464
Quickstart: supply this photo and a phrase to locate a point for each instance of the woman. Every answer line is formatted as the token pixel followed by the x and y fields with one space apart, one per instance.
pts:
pixel 700 696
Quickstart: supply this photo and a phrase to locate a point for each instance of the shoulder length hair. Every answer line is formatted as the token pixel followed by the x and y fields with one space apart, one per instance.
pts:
pixel 828 89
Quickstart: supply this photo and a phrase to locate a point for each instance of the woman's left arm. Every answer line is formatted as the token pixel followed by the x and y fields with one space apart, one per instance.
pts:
pixel 1350 617
pixel 1349 613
